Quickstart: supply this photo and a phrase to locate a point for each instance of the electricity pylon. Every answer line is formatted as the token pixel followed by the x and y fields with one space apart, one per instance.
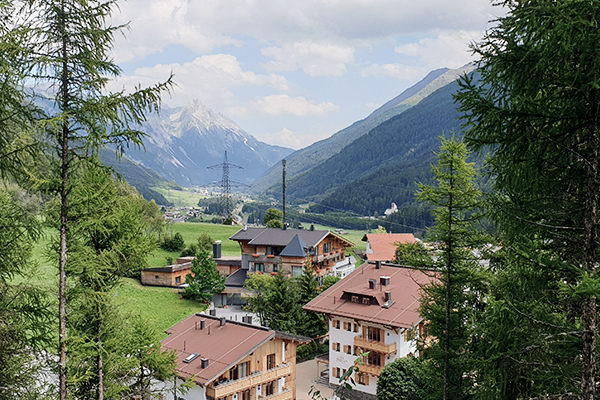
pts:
pixel 225 203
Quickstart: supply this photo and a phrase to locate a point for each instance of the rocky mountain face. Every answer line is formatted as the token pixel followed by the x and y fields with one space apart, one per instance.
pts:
pixel 182 142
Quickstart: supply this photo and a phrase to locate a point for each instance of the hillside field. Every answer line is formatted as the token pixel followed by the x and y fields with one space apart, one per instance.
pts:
pixel 162 306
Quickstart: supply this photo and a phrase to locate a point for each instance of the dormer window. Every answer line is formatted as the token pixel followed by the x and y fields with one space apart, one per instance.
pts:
pixel 366 301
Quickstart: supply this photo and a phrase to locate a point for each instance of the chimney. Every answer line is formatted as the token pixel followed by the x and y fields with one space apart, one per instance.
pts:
pixel 213 312
pixel 388 296
pixel 223 321
pixel 312 227
pixel 384 280
pixel 202 325
pixel 372 283
pixel 204 363
pixel 217 249
pixel 378 264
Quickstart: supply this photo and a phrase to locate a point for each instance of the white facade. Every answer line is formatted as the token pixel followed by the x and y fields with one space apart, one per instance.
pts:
pixel 343 335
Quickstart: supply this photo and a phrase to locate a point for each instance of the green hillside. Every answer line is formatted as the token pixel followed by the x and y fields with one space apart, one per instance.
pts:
pixel 393 156
pixel 142 178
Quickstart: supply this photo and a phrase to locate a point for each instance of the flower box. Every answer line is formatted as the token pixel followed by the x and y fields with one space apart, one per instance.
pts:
pixel 255 255
pixel 271 256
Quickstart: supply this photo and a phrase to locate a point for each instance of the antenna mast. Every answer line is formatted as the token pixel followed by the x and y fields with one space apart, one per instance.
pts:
pixel 284 220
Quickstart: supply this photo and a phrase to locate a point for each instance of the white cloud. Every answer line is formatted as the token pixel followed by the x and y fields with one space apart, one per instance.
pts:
pixel 294 106
pixel 209 78
pixel 315 59
pixel 372 106
pixel 205 25
pixel 284 137
pixel 398 71
pixel 450 49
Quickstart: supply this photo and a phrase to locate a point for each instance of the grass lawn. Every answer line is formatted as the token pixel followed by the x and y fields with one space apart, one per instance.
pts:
pixel 180 198
pixel 162 306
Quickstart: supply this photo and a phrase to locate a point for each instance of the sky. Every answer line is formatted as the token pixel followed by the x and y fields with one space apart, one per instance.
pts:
pixel 293 72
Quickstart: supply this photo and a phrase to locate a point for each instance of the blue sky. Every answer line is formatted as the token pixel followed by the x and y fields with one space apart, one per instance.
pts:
pixel 294 72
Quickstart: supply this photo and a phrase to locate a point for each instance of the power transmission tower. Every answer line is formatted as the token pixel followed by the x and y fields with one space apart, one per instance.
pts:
pixel 225 203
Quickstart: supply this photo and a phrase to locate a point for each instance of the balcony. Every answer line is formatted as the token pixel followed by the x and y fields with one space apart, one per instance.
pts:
pixel 370 369
pixel 256 378
pixel 369 345
pixel 286 394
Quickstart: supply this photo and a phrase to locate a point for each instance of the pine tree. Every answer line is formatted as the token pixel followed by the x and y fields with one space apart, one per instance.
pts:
pixel 283 307
pixel 206 281
pixel 311 324
pixel 68 50
pixel 536 108
pixel 449 302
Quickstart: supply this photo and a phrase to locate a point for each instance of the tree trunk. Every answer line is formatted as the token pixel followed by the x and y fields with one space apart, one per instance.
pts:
pixel 448 283
pixel 62 263
pixel 99 364
pixel 588 362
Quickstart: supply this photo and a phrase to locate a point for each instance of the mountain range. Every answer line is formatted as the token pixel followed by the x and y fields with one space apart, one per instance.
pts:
pixel 312 156
pixel 183 142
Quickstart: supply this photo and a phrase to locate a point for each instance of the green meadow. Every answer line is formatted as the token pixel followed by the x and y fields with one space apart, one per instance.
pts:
pixel 162 306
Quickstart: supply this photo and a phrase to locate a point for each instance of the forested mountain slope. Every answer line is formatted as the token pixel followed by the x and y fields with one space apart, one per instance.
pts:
pixel 307 158
pixel 396 153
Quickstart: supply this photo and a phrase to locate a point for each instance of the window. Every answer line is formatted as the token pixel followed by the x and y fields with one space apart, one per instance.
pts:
pixel 366 300
pixel 243 370
pixel 336 323
pixel 270 388
pixel 271 361
pixel 327 248
pixel 274 267
pixel 356 351
pixel 362 379
pixel 356 328
pixel 336 346
pixel 373 334
pixel 245 395
pixel 335 372
pixel 347 349
pixel 296 271
pixel 344 372
pixel 346 326
pixel 374 358
pixel 177 279
pixel 259 267
pixel 355 299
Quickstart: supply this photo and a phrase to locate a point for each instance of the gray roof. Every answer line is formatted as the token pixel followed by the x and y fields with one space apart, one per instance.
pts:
pixel 278 237
pixel 296 248
pixel 236 279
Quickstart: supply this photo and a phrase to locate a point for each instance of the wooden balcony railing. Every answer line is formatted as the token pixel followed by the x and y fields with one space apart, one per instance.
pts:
pixel 370 369
pixel 257 378
pixel 286 394
pixel 379 347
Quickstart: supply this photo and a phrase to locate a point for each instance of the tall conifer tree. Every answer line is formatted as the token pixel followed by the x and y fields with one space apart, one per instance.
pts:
pixel 69 43
pixel 536 107
pixel 449 303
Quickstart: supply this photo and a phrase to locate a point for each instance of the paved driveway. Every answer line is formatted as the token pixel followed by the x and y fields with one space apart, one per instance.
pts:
pixel 306 376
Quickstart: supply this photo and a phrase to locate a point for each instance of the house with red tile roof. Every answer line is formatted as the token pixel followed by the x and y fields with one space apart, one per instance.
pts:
pixel 232 360
pixel 382 246
pixel 376 310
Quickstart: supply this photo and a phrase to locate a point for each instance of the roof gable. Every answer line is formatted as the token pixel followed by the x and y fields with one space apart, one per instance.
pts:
pixel 404 287
pixel 384 245
pixel 296 248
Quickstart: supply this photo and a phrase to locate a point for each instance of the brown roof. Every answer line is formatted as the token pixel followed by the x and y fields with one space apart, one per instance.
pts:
pixel 404 286
pixel 384 245
pixel 224 346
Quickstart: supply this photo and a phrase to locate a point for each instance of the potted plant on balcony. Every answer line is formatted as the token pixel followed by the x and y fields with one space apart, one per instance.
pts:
pixel 255 255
